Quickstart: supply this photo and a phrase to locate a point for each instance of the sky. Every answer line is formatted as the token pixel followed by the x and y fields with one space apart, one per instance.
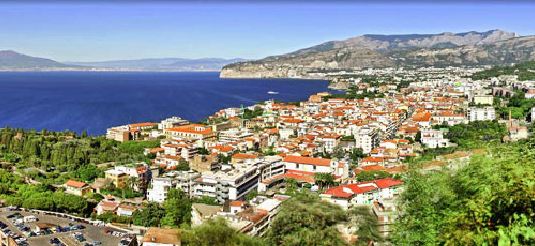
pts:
pixel 100 30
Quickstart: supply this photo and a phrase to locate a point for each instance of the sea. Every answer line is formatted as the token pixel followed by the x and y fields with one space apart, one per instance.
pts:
pixel 94 101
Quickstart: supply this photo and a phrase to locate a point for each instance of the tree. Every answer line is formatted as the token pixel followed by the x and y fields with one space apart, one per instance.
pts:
pixel 216 232
pixel 177 208
pixel 366 223
pixel 148 216
pixel 306 220
pixel 372 175
pixel 323 179
pixel 487 202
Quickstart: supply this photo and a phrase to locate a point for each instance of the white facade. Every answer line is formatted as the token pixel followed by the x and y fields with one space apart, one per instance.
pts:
pixel 159 188
pixel 367 139
pixel 481 114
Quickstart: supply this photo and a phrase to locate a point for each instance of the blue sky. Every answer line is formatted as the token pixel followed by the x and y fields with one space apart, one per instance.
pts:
pixel 88 31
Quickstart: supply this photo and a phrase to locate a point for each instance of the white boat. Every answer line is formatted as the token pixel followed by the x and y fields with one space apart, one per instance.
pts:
pixel 272 92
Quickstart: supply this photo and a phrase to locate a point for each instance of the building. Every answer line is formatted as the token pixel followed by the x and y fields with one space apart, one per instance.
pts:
pixel 107 206
pixel 77 188
pixel 367 138
pixel 191 132
pixel 118 178
pixel 483 100
pixel 118 133
pixel 234 135
pixel 172 122
pixel 201 212
pixel 161 237
pixel 481 113
pixel 158 189
pixel 433 138
pixel 231 183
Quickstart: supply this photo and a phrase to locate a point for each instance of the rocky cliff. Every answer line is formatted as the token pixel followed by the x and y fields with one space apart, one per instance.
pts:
pixel 412 50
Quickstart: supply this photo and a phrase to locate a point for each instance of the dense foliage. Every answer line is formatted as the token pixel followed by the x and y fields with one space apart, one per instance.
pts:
pixel 306 220
pixel 16 193
pixel 217 233
pixel 488 202
pixel 476 134
pixel 525 71
pixel 62 150
pixel 518 105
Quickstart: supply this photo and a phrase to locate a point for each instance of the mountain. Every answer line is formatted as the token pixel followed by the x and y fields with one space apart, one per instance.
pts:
pixel 11 60
pixel 163 64
pixel 495 47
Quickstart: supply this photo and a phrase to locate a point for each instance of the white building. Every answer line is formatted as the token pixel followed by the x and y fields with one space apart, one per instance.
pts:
pixel 481 114
pixel 366 138
pixel 159 188
pixel 172 122
pixel 234 135
pixel 433 138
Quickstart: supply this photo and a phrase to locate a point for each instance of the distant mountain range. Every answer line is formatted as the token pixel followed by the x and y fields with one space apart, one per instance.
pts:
pixel 495 47
pixel 14 61
pixel 163 64
pixel 11 60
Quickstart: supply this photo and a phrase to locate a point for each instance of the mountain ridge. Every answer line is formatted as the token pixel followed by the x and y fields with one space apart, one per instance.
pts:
pixel 15 61
pixel 494 47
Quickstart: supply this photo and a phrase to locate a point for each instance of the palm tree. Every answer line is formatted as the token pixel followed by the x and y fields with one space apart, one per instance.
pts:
pixel 323 179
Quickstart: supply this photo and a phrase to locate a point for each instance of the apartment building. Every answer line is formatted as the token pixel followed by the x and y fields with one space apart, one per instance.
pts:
pixel 481 113
pixel 367 138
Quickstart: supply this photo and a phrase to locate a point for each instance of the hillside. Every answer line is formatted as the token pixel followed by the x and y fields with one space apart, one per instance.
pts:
pixel 494 47
pixel 13 60
pixel 524 71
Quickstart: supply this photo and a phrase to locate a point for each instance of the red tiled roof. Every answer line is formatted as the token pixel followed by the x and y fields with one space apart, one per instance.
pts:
pixel 387 182
pixel 308 160
pixel 351 190
pixel 192 128
pixel 75 184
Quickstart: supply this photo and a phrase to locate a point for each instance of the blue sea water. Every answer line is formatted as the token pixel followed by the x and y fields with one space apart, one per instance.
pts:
pixel 94 101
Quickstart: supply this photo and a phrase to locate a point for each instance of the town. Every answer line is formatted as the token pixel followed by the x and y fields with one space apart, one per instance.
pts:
pixel 242 164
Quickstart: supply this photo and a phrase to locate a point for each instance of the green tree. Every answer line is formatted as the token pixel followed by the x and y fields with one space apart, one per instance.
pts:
pixel 216 232
pixel 306 220
pixel 177 208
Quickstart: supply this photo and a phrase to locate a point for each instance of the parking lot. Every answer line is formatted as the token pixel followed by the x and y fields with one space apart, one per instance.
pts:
pixel 53 230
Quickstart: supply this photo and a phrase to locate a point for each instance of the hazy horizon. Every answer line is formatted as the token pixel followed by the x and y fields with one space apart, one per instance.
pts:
pixel 96 31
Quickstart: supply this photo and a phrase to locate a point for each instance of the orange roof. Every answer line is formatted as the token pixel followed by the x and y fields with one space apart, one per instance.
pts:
pixel 387 182
pixel 156 150
pixel 144 124
pixel 308 160
pixel 244 156
pixel 224 148
pixel 373 168
pixel 422 116
pixel 292 120
pixel 237 203
pixel 192 128
pixel 75 184
pixel 372 159
pixel 349 191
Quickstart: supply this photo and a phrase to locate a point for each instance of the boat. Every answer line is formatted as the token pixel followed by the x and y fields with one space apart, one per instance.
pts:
pixel 273 92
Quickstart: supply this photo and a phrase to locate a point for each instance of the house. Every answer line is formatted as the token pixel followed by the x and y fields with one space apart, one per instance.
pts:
pixel 161 237
pixel 348 195
pixel 107 206
pixel 201 212
pixel 117 177
pixel 77 188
